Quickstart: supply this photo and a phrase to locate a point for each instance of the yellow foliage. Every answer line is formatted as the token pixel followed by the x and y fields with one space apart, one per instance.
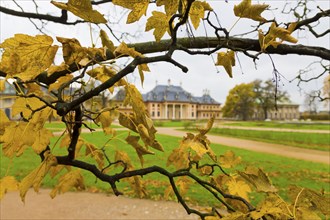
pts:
pixel 37 175
pixel 259 180
pixel 246 10
pixel 7 183
pixel 276 32
pixel 123 49
pixel 26 56
pixel 12 144
pixel 34 88
pixel 239 188
pixel 140 150
pixel 25 106
pixel 106 119
pixel 171 6
pixel 137 7
pixel 197 12
pixel 227 60
pixel 82 9
pixel 59 82
pixel 95 153
pixel 4 123
pixel 53 68
pixel 2 85
pixel 42 140
pixel 106 42
pixel 73 52
pixel 159 21
pixel 229 160
pixel 68 181
pixel 183 184
pixel 104 73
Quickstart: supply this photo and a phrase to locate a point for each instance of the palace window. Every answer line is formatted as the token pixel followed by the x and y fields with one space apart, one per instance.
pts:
pixel 153 114
pixel 158 114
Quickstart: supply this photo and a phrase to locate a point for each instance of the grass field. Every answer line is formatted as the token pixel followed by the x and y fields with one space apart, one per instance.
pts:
pixel 283 171
pixel 296 139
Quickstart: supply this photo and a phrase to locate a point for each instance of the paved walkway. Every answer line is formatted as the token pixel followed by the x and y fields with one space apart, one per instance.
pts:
pixel 277 149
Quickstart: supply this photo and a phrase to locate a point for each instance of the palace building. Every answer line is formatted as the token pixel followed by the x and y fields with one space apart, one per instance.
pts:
pixel 171 102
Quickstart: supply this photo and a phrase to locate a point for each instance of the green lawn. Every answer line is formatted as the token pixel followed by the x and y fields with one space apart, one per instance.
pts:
pixel 303 140
pixel 289 125
pixel 283 171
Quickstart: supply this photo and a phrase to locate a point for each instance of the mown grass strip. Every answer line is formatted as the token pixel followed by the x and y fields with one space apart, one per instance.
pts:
pixel 287 125
pixel 296 139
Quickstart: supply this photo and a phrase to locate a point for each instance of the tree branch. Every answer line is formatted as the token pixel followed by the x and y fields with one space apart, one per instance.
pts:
pixel 60 20
pixel 240 44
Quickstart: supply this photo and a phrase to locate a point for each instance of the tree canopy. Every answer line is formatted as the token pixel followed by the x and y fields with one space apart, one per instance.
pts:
pixel 42 92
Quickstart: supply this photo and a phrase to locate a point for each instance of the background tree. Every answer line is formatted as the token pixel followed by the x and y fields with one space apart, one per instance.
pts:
pixel 311 102
pixel 267 94
pixel 28 61
pixel 240 102
pixel 326 91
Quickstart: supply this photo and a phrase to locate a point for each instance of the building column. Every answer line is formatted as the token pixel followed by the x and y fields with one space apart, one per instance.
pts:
pixel 166 116
pixel 180 111
pixel 173 112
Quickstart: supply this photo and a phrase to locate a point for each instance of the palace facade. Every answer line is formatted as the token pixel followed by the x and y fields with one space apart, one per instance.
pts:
pixel 169 102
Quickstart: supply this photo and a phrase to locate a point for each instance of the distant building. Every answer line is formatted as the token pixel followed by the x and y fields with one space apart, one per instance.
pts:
pixel 285 111
pixel 174 103
pixel 7 99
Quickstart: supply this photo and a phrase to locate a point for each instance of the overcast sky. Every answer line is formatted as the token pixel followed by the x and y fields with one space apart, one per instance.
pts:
pixel 203 74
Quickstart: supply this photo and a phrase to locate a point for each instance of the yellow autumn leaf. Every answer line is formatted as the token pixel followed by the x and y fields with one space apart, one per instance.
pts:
pixel 7 183
pixel 12 145
pixel 259 180
pixel 246 10
pixel 37 175
pixel 2 85
pixel 104 73
pixel 42 140
pixel 95 153
pixel 25 106
pixel 227 60
pixel 59 82
pixel 229 160
pixel 159 22
pixel 183 185
pixel 82 9
pixel 73 52
pixel 197 12
pixel 171 6
pixel 53 68
pixel 26 56
pixel 106 42
pixel 106 119
pixel 123 156
pixel 140 150
pixel 34 88
pixel 126 120
pixel 209 125
pixel 270 39
pixel 123 49
pixel 239 188
pixel 137 7
pixel 68 181
pixel 4 122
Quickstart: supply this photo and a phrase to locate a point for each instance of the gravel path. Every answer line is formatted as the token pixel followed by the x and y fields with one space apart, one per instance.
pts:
pixel 85 205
